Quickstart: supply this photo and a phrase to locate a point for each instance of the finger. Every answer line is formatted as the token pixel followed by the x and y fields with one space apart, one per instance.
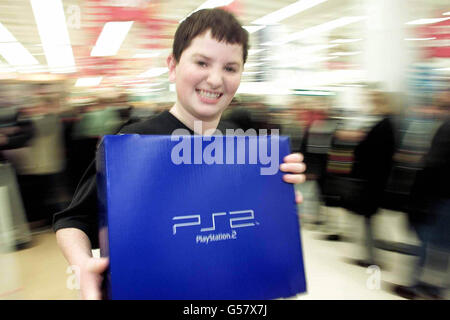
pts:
pixel 298 197
pixel 98 265
pixel 92 293
pixel 293 167
pixel 294 178
pixel 293 157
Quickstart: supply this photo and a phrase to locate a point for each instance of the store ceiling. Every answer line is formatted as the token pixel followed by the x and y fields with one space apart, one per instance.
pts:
pixel 17 16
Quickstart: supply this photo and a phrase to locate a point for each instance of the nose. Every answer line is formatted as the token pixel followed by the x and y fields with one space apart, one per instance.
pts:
pixel 214 79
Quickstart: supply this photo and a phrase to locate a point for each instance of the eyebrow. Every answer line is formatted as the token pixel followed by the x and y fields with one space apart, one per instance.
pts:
pixel 199 55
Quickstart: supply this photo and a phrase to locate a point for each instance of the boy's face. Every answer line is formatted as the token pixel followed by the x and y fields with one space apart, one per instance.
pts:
pixel 207 76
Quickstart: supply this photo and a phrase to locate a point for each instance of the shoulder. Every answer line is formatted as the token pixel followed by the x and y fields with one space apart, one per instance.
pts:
pixel 442 135
pixel 140 127
pixel 227 124
pixel 153 125
pixel 445 127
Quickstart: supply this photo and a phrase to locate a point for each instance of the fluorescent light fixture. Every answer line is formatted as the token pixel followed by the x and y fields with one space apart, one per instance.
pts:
pixel 32 69
pixel 52 28
pixel 5 68
pixel 427 21
pixel 154 72
pixel 345 53
pixel 255 64
pixel 315 60
pixel 5 35
pixel 249 73
pixel 324 27
pixel 111 38
pixel 16 54
pixel 13 51
pixel 345 40
pixel 442 69
pixel 88 82
pixel 209 5
pixel 316 48
pixel 255 51
pixel 419 39
pixel 287 11
pixel 313 93
pixel 252 29
pixel 213 4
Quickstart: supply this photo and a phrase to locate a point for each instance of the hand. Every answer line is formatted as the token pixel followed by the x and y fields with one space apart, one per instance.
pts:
pixel 91 278
pixel 293 164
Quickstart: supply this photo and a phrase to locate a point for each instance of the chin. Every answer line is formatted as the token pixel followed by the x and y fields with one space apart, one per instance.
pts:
pixel 208 115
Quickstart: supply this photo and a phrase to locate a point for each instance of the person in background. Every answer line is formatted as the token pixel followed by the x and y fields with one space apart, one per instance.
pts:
pixel 15 133
pixel 429 214
pixel 373 158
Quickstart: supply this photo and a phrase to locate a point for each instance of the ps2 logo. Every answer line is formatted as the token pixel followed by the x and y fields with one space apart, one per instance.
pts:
pixel 235 222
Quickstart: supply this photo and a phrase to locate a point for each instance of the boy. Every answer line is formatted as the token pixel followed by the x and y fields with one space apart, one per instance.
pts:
pixel 209 51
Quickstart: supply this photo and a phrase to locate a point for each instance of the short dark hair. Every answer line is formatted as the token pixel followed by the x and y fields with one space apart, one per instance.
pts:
pixel 223 26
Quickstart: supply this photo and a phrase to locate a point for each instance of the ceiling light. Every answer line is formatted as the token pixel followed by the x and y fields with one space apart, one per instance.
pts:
pixel 313 93
pixel 32 69
pixel 111 38
pixel 427 21
pixel 252 29
pixel 287 11
pixel 256 64
pixel 213 4
pixel 154 72
pixel 315 48
pixel 209 5
pixel 13 51
pixel 52 28
pixel 419 39
pixel 345 40
pixel 345 53
pixel 5 35
pixel 16 54
pixel 88 82
pixel 4 68
pixel 147 55
pixel 255 51
pixel 442 69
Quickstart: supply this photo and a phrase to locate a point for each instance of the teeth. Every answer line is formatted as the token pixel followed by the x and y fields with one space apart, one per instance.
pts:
pixel 210 95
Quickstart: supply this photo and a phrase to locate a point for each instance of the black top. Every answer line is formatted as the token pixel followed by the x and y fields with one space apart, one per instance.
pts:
pixel 431 183
pixel 19 138
pixel 82 213
pixel 373 160
pixel 373 155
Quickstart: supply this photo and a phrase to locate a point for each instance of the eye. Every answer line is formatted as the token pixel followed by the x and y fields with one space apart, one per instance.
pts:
pixel 201 63
pixel 230 69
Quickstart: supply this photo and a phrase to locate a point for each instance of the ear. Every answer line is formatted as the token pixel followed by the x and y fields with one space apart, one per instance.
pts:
pixel 171 64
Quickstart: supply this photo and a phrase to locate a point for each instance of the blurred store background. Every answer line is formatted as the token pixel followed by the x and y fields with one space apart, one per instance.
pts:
pixel 362 87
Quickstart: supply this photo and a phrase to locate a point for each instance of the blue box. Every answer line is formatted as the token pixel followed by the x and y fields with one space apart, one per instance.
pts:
pixel 178 224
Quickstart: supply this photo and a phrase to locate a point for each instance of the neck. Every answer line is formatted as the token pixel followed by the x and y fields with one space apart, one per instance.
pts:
pixel 199 126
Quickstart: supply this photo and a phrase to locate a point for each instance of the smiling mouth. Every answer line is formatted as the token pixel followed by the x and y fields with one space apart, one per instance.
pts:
pixel 208 94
